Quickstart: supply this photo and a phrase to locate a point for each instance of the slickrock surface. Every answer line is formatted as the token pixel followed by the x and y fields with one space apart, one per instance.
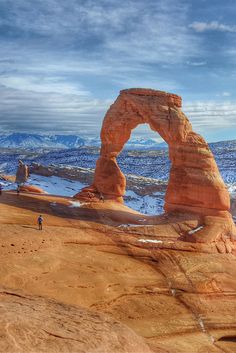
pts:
pixel 195 184
pixel 104 258
pixel 34 324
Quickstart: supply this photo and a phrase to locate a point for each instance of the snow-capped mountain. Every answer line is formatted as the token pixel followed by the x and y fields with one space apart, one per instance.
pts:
pixel 142 143
pixel 36 141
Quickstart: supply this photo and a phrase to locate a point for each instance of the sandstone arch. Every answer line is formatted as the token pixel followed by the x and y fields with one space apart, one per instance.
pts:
pixel 195 183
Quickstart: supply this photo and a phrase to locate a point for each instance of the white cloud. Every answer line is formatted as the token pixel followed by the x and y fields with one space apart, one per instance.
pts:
pixel 211 115
pixel 83 41
pixel 42 84
pixel 65 54
pixel 75 113
pixel 212 26
pixel 226 94
pixel 196 63
pixel 159 35
pixel 153 32
pixel 54 112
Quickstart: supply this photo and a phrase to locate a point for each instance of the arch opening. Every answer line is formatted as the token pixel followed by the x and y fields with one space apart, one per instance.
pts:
pixel 146 167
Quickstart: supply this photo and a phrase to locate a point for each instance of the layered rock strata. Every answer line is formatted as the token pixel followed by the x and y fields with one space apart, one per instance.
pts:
pixel 195 184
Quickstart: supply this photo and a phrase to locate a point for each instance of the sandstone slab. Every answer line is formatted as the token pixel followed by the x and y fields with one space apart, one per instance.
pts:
pixel 34 324
pixel 178 296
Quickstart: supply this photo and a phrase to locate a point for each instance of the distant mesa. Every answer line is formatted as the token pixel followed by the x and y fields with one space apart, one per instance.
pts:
pixel 195 184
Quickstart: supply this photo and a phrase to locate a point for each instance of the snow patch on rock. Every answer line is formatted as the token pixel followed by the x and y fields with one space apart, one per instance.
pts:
pixel 75 204
pixel 195 230
pixel 150 241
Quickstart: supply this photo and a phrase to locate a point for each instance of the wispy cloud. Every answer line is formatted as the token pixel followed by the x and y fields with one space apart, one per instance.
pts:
pixel 43 84
pixel 211 115
pixel 75 113
pixel 61 56
pixel 95 38
pixel 212 26
pixel 153 32
pixel 58 112
pixel 226 94
pixel 196 63
pixel 64 62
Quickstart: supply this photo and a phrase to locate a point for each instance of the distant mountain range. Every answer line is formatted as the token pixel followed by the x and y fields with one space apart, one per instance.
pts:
pixel 36 141
pixel 33 141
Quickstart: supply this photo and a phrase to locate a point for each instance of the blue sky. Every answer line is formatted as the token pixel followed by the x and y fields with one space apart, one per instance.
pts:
pixel 64 62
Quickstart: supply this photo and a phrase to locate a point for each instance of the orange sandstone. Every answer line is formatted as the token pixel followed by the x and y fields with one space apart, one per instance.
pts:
pixel 32 188
pixel 195 184
pixel 22 173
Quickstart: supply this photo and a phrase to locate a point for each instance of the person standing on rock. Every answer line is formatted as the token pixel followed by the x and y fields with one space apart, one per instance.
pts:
pixel 101 197
pixel 40 222
pixel 18 189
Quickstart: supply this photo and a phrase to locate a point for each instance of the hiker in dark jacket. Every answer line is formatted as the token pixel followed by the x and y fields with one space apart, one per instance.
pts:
pixel 40 222
pixel 101 197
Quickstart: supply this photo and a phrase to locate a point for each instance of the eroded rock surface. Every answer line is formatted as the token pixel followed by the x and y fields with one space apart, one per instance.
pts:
pixel 34 324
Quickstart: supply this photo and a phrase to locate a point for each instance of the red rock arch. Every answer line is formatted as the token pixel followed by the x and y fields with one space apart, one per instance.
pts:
pixel 195 183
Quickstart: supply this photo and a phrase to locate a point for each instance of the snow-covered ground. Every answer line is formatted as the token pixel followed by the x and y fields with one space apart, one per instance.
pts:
pixel 152 164
pixel 65 187
pixel 148 204
pixel 55 185
pixel 232 188
pixel 52 185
